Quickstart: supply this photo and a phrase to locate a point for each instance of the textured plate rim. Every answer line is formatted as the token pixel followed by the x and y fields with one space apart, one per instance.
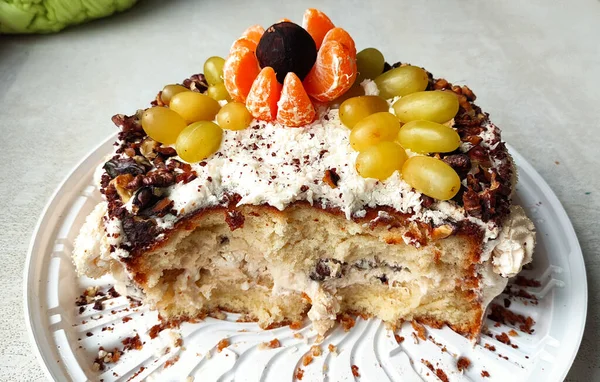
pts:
pixel 579 266
pixel 38 338
pixel 33 332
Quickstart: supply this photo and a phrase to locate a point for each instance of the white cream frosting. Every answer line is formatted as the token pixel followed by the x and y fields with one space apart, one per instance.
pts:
pixel 279 165
pixel 515 244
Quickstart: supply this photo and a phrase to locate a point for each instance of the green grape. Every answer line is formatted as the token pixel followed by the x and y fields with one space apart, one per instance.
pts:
pixel 435 106
pixel 381 160
pixel 218 92
pixel 354 109
pixel 162 124
pixel 169 91
pixel 355 91
pixel 428 137
pixel 234 116
pixel 213 70
pixel 194 107
pixel 369 64
pixel 375 128
pixel 198 141
pixel 401 81
pixel 431 176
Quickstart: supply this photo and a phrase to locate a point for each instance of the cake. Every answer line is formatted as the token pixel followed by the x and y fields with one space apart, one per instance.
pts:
pixel 300 180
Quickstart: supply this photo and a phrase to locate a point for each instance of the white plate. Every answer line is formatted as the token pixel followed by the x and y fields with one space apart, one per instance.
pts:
pixel 66 353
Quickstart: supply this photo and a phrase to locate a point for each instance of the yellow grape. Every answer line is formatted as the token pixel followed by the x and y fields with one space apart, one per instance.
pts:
pixel 169 91
pixel 354 109
pixel 381 160
pixel 218 92
pixel 213 70
pixel 428 137
pixel 194 107
pixel 431 176
pixel 198 141
pixel 162 124
pixel 375 128
pixel 401 81
pixel 435 106
pixel 234 116
pixel 369 64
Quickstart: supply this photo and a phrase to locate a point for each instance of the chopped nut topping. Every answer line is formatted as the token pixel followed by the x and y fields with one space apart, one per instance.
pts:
pixel 222 344
pixel 420 330
pixel 442 232
pixel 463 363
pixel 273 344
pixel 331 178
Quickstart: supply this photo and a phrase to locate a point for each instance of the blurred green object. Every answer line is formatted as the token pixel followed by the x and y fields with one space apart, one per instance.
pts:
pixel 47 16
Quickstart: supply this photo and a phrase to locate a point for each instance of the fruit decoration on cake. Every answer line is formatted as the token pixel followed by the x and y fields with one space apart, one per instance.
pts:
pixel 285 73
pixel 300 178
pixel 279 73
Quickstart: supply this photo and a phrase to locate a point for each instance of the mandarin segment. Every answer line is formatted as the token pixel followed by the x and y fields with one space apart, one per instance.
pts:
pixel 317 24
pixel 340 35
pixel 333 74
pixel 243 42
pixel 239 72
pixel 254 33
pixel 284 20
pixel 263 97
pixel 294 107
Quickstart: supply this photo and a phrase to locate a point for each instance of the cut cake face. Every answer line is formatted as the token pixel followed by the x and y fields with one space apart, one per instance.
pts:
pixel 277 186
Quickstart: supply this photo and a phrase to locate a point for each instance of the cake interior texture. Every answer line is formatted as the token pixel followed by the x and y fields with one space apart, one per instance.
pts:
pixel 276 267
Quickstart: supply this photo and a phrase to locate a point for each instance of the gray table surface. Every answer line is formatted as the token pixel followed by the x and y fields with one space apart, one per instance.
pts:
pixel 535 66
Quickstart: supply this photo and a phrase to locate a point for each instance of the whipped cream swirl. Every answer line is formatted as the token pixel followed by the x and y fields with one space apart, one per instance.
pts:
pixel 514 246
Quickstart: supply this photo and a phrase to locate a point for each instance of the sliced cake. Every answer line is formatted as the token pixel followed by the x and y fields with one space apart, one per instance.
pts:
pixel 298 178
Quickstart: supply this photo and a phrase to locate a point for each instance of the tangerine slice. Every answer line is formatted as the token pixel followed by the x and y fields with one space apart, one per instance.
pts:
pixel 263 97
pixel 239 72
pixel 284 20
pixel 333 74
pixel 340 35
pixel 254 33
pixel 244 42
pixel 317 24
pixel 294 107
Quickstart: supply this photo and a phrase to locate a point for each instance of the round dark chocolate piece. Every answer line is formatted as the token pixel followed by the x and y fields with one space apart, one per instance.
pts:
pixel 287 47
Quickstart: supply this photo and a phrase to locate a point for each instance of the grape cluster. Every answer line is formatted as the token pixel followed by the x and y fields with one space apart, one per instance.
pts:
pixel 187 122
pixel 417 124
